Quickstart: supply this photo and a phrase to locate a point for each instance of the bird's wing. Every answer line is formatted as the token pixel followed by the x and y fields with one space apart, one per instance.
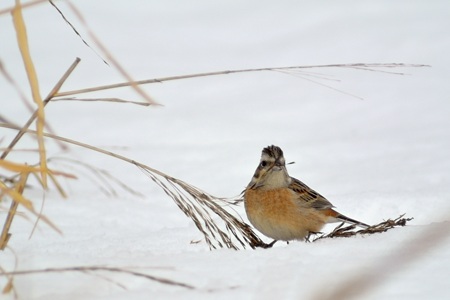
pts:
pixel 307 196
pixel 310 198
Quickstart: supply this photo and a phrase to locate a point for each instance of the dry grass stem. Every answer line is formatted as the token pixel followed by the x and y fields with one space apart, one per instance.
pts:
pixel 22 41
pixel 114 100
pixel 107 183
pixel 25 5
pixel 4 237
pixel 90 269
pixel 196 204
pixel 304 77
pixel 349 231
pixel 24 99
pixel 33 117
pixel 360 66
pixel 110 57
pixel 9 286
pixel 200 207
pixel 17 197
pixel 24 170
pixel 75 30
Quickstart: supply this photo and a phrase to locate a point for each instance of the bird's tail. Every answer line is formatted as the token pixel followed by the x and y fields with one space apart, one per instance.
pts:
pixel 337 217
pixel 343 218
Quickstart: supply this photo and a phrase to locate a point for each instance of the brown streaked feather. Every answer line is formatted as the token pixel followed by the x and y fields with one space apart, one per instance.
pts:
pixel 309 197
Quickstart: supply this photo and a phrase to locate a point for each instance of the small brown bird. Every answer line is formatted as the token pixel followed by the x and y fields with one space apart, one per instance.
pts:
pixel 282 207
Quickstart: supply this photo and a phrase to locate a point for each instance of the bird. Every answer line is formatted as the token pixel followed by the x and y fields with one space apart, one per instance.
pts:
pixel 284 208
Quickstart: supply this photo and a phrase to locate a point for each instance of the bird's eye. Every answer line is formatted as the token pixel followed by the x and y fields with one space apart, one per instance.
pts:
pixel 263 163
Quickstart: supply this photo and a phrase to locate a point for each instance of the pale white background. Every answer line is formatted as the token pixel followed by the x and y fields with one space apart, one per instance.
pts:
pixel 374 158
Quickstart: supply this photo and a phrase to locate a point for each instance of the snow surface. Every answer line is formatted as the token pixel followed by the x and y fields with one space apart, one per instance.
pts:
pixel 373 159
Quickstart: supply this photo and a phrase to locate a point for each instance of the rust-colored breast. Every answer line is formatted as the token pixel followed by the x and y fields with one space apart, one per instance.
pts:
pixel 277 215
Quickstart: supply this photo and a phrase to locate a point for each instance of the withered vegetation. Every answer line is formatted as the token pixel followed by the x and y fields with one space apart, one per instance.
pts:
pixel 214 217
pixel 348 231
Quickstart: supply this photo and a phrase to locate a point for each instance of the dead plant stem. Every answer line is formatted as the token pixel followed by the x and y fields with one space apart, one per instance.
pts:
pixel 34 115
pixel 360 66
pixel 4 238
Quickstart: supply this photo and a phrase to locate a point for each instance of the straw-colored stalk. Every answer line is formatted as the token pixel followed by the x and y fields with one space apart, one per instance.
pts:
pixel 5 235
pixel 97 269
pixel 22 41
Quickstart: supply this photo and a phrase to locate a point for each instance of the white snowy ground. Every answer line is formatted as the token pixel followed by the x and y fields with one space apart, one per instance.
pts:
pixel 373 159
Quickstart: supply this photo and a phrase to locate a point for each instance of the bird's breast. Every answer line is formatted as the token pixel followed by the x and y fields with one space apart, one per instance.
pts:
pixel 277 215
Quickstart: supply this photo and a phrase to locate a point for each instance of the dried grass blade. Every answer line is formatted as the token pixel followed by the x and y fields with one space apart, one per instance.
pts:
pixel 321 84
pixel 195 203
pixel 9 286
pixel 101 268
pixel 200 206
pixel 58 186
pixel 17 167
pixel 349 231
pixel 22 41
pixel 33 117
pixel 116 100
pixel 24 168
pixel 20 186
pixel 368 67
pixel 75 30
pixel 16 196
pixel 25 5
pixel 110 57
pixel 104 177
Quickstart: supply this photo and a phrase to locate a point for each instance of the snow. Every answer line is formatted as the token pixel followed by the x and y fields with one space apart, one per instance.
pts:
pixel 374 158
